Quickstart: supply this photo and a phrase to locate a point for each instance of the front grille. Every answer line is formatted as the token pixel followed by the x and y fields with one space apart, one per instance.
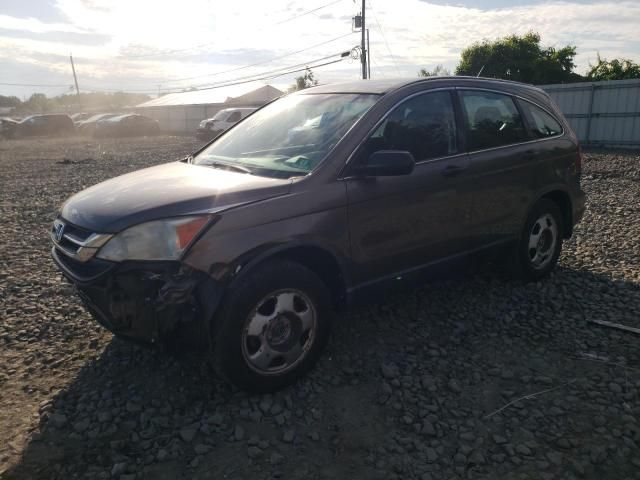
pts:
pixel 76 242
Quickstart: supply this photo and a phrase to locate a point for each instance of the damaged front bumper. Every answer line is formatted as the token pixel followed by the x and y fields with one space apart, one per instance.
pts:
pixel 145 301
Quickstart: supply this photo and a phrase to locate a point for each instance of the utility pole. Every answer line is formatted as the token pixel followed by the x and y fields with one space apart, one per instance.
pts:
pixel 363 44
pixel 368 56
pixel 75 79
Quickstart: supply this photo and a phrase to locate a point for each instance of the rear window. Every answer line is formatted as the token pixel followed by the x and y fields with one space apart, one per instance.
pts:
pixel 492 119
pixel 541 123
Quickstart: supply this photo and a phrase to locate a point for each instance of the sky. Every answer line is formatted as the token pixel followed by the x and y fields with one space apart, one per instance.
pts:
pixel 150 45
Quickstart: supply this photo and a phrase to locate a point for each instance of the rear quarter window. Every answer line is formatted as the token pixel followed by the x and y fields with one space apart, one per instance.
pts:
pixel 541 123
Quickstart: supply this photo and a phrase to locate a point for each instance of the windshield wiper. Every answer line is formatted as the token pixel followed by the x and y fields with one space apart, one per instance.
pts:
pixel 230 166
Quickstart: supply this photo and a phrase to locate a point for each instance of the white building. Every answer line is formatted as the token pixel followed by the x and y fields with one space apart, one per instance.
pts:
pixel 182 112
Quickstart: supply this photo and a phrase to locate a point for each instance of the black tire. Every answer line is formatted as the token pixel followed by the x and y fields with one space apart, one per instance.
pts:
pixel 255 291
pixel 525 262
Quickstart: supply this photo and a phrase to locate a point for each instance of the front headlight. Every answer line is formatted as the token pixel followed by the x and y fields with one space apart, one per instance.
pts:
pixel 156 240
pixel 203 123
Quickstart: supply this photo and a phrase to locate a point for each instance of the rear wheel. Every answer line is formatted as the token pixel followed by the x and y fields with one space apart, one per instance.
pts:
pixel 540 242
pixel 273 326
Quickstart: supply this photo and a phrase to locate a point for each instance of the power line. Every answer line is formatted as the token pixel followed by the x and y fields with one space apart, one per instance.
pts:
pixel 247 77
pixel 341 54
pixel 195 47
pixel 269 77
pixel 261 62
pixel 384 37
pixel 266 76
pixel 308 12
pixel 68 85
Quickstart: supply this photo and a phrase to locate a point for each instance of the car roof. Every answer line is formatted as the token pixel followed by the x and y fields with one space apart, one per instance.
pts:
pixel 117 118
pixel 240 109
pixel 383 86
pixel 101 115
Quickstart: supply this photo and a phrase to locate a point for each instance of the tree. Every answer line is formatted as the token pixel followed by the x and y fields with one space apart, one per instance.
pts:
pixel 9 101
pixel 438 71
pixel 37 103
pixel 616 69
pixel 304 81
pixel 519 58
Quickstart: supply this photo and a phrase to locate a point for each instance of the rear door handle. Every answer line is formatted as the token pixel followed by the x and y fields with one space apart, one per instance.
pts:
pixel 453 170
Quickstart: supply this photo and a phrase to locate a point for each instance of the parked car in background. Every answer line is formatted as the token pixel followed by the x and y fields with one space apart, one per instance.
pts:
pixel 88 126
pixel 221 121
pixel 79 117
pixel 321 198
pixel 50 124
pixel 7 126
pixel 128 125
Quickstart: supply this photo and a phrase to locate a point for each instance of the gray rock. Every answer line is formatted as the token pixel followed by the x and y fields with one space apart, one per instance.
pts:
pixel 477 458
pixel 57 420
pixel 118 469
pixel 276 458
pixel 254 452
pixel 389 370
pixel 597 455
pixel 201 448
pixel 454 386
pixel 188 433
pixel 288 436
pixel 554 457
pixel 431 455
pixel 615 388
pixel 467 436
pixel 162 455
pixel 104 417
pixel 500 440
pixel 82 425
pixel 238 433
pixel 428 428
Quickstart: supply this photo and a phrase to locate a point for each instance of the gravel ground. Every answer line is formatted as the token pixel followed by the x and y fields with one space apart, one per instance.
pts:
pixel 476 377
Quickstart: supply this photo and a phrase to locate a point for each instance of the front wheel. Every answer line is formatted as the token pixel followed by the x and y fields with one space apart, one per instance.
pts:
pixel 540 243
pixel 273 326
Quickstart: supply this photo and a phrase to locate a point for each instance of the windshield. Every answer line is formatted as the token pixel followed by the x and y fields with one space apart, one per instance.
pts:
pixel 222 114
pixel 288 137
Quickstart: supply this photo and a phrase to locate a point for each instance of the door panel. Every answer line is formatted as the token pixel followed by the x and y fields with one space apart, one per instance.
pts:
pixel 502 165
pixel 399 223
pixel 402 222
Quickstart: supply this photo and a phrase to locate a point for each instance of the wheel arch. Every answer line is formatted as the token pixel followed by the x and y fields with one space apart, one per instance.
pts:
pixel 319 259
pixel 563 200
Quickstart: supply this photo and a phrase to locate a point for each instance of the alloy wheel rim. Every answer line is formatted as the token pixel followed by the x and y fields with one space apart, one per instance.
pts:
pixel 543 238
pixel 279 332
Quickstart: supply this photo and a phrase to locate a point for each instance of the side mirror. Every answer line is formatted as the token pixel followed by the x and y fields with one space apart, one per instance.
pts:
pixel 387 163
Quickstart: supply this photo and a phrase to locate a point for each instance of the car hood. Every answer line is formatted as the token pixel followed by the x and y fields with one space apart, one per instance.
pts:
pixel 168 190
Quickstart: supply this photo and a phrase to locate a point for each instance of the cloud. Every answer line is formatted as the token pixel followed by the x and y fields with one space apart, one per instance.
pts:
pixel 140 44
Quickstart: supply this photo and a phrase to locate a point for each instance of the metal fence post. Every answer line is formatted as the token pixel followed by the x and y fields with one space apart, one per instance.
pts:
pixel 589 114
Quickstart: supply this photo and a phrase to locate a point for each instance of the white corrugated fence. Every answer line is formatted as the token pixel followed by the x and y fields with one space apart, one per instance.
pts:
pixel 603 114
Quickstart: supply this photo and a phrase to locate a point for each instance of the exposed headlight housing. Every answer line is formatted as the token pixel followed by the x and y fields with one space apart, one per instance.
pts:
pixel 156 240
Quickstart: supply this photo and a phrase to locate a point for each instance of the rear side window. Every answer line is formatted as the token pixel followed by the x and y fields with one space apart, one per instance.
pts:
pixel 423 125
pixel 541 123
pixel 492 118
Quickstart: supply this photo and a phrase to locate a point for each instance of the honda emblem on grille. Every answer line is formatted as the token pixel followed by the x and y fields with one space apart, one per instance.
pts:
pixel 58 230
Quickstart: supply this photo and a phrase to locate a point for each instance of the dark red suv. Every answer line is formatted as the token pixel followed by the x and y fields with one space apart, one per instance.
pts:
pixel 312 201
